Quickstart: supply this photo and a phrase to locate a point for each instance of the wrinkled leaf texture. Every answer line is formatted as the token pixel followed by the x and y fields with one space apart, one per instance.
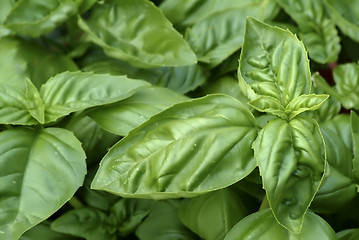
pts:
pixel 292 167
pixel 191 148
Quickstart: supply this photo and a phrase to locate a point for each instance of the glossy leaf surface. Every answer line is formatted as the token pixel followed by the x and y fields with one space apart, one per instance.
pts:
pixel 122 117
pixel 48 15
pixel 263 226
pixel 346 77
pixel 137 32
pixel 40 171
pixel 275 65
pixel 345 15
pixel 73 91
pixel 191 148
pixel 291 167
pixel 218 35
pixel 316 28
pixel 305 102
pixel 212 215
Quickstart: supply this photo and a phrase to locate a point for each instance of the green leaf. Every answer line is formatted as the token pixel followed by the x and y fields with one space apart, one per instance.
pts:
pixel 212 215
pixel 338 189
pixel 263 226
pixel 306 102
pixel 137 32
pixel 348 234
pixel 291 159
pixel 345 15
pixel 268 104
pixel 6 6
pixel 273 63
pixel 316 28
pixel 354 127
pixel 35 106
pixel 181 79
pixel 191 148
pixel 88 223
pixel 120 118
pixel 43 231
pixel 14 106
pixel 38 17
pixel 73 91
pixel 40 171
pixel 346 77
pixel 163 223
pixel 217 36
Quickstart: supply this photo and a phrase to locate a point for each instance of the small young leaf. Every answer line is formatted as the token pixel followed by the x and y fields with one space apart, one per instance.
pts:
pixel 38 17
pixel 135 110
pixel 163 223
pixel 291 159
pixel 212 215
pixel 35 106
pixel 345 16
pixel 316 28
pixel 137 32
pixel 73 91
pixel 191 148
pixel 354 127
pixel 305 102
pixel 263 226
pixel 89 223
pixel 270 105
pixel 40 171
pixel 273 63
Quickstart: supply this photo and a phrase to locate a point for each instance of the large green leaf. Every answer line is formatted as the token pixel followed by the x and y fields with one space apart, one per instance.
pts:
pixel 137 32
pixel 338 189
pixel 194 11
pixel 263 226
pixel 73 91
pixel 191 148
pixel 163 223
pixel 43 231
pixel 181 79
pixel 120 118
pixel 348 234
pixel 37 17
pixel 6 6
pixel 273 63
pixel 316 28
pixel 212 215
pixel 345 15
pixel 217 36
pixel 291 159
pixel 20 59
pixel 354 127
pixel 346 77
pixel 40 171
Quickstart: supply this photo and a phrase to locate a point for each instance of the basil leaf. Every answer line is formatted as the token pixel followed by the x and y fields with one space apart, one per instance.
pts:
pixel 345 16
pixel 316 28
pixel 40 171
pixel 212 215
pixel 268 104
pixel 262 225
pixel 191 148
pixel 348 234
pixel 217 36
pixel 139 35
pixel 275 65
pixel 346 77
pixel 135 110
pixel 38 17
pixel 305 102
pixel 86 222
pixel 43 231
pixel 6 6
pixel 73 91
pixel 354 128
pixel 292 167
pixel 163 223
pixel 35 106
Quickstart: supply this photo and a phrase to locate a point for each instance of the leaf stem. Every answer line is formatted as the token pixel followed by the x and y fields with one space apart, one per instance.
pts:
pixel 75 203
